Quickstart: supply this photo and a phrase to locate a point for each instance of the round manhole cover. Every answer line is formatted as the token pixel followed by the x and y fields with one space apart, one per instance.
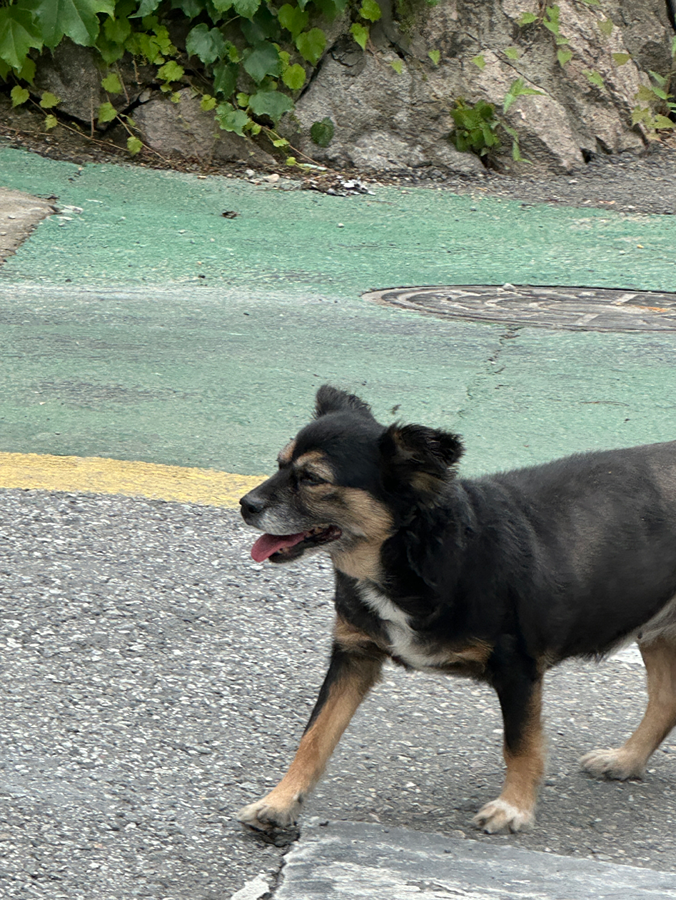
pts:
pixel 586 309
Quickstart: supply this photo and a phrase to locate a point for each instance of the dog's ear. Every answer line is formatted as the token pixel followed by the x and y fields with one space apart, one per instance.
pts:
pixel 330 399
pixel 419 457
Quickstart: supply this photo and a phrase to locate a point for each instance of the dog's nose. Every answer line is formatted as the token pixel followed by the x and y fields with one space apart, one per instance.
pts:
pixel 251 505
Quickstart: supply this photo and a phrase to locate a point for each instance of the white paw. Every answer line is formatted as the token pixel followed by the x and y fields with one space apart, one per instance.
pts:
pixel 498 814
pixel 264 815
pixel 611 764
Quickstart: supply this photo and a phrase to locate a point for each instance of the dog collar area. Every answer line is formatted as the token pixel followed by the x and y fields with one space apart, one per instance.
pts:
pixel 571 308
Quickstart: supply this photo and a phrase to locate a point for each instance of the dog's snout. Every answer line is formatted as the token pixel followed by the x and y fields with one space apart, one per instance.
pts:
pixel 251 505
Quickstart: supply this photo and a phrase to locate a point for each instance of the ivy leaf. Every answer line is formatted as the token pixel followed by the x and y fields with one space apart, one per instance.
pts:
pixel 51 122
pixel 621 58
pixel 18 34
pixel 594 77
pixel 564 56
pixel 479 61
pixel 192 8
pixel 370 10
pixel 49 100
pixel 527 18
pixel 19 95
pixel 517 89
pixel 111 84
pixel 551 20
pixel 242 100
pixel 208 44
pixel 660 79
pixel 262 60
pixel 231 119
pixel 663 122
pixel 76 19
pixel 134 145
pixel 262 27
pixel 646 94
pixel 117 30
pixel 270 103
pixel 293 19
pixel 322 132
pixel 225 79
pixel 360 33
pixel 207 102
pixel 246 8
pixel 106 113
pixel 606 26
pixel 512 53
pixel 222 6
pixel 435 56
pixel 330 8
pixel 294 77
pixel 170 71
pixel 27 72
pixel 145 8
pixel 311 45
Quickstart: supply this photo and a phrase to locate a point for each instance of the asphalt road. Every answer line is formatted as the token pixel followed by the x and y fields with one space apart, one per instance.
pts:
pixel 155 679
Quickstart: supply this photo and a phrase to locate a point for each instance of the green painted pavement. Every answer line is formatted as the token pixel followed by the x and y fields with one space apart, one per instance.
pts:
pixel 112 345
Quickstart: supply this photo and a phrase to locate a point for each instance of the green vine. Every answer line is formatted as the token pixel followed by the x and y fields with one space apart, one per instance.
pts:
pixel 478 127
pixel 247 59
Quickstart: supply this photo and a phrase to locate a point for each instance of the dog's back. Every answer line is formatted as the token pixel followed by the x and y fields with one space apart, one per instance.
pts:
pixel 601 543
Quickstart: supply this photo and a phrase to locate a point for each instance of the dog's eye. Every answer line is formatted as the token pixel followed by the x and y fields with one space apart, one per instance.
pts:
pixel 311 479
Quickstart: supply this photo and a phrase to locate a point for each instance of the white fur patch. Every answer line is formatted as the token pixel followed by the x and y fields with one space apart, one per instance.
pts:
pixel 403 640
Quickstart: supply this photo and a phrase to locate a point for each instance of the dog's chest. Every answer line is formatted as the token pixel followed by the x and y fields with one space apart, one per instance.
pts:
pixel 405 644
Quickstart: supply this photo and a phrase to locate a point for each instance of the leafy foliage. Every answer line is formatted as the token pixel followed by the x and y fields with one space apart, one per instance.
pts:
pixel 476 127
pixel 260 46
pixel 248 59
pixel 322 132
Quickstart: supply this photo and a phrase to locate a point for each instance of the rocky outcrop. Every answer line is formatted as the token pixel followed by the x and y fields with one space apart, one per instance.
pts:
pixel 185 129
pixel 383 119
pixel 390 105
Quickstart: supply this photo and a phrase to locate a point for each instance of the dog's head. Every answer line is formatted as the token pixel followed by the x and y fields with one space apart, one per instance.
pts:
pixel 347 481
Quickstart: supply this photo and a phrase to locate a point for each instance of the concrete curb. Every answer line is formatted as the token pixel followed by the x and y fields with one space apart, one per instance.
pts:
pixel 19 214
pixel 347 859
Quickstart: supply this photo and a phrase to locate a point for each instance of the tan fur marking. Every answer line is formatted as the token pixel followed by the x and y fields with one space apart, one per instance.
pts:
pixel 525 767
pixel 353 639
pixel 371 523
pixel 316 463
pixel 475 653
pixel 629 760
pixel 472 659
pixel 286 455
pixel 319 742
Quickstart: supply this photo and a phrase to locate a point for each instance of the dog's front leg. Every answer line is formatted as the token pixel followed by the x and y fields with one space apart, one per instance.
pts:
pixel 350 676
pixel 518 682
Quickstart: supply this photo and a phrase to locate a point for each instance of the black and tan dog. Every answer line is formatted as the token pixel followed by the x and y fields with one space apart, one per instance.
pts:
pixel 497 578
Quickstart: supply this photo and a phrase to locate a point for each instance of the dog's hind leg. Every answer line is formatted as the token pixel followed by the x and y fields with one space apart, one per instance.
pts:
pixel 350 676
pixel 629 761
pixel 518 682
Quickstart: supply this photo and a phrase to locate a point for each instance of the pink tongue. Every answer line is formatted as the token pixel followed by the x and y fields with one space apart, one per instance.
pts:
pixel 268 544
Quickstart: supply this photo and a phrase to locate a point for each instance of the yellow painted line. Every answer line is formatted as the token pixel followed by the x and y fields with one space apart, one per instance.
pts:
pixel 96 475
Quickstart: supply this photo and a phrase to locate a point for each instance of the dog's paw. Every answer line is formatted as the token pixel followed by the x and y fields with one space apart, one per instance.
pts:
pixel 265 815
pixel 612 764
pixel 498 815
